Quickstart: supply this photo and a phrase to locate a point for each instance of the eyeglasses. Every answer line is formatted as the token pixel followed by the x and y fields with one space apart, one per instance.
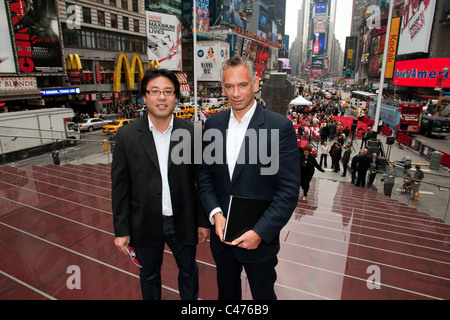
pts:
pixel 166 93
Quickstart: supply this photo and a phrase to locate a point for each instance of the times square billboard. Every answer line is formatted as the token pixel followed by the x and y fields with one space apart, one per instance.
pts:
pixel 31 38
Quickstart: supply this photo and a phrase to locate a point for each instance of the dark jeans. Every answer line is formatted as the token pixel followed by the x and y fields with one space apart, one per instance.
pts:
pixel 323 158
pixel 151 261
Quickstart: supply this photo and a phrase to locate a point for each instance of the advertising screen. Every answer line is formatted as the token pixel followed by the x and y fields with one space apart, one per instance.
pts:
pixel 421 72
pixel 318 44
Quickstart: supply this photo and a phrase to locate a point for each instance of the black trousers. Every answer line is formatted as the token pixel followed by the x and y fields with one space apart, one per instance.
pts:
pixel 261 276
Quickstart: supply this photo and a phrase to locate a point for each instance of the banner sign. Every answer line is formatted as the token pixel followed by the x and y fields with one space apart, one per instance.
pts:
pixel 211 55
pixel 416 26
pixel 164 40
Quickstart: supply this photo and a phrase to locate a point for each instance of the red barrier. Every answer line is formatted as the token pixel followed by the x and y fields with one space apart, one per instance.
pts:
pixel 387 131
pixel 445 160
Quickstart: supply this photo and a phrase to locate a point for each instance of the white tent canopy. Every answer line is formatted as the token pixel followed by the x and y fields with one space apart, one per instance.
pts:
pixel 300 101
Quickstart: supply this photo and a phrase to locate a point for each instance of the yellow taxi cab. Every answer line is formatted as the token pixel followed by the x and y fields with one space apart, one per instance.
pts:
pixel 186 108
pixel 182 114
pixel 115 125
pixel 344 103
pixel 210 110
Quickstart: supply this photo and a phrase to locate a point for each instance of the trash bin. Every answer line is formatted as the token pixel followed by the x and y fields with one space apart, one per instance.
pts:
pixel 106 145
pixel 435 160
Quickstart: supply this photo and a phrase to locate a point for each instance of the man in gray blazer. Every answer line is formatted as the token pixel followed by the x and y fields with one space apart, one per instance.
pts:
pixel 154 198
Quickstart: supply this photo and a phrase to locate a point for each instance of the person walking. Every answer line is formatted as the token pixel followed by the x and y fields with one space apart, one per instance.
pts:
pixel 308 163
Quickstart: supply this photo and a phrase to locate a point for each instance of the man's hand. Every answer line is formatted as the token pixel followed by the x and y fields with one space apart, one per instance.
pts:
pixel 203 234
pixel 249 240
pixel 121 243
pixel 219 223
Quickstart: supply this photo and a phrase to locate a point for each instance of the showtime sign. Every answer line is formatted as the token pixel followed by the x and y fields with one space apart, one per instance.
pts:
pixel 421 72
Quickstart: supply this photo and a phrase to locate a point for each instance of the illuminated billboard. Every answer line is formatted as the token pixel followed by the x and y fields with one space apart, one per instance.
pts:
pixel 421 72
pixel 318 44
pixel 235 12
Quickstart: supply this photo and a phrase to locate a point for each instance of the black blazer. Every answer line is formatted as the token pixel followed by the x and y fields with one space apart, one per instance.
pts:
pixel 137 188
pixel 308 170
pixel 215 186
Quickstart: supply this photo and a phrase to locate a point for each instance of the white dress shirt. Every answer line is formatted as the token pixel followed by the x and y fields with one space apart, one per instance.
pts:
pixel 162 143
pixel 235 135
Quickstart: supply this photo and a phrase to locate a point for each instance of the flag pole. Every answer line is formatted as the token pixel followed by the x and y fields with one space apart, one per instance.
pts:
pixel 194 52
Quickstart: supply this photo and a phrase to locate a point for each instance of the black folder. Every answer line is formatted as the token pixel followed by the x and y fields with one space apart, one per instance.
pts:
pixel 243 214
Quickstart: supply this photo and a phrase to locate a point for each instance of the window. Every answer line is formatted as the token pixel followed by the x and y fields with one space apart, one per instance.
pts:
pixel 102 42
pixel 135 5
pixel 87 39
pixel 125 4
pixel 112 3
pixel 87 15
pixel 126 23
pixel 101 18
pixel 136 25
pixel 114 23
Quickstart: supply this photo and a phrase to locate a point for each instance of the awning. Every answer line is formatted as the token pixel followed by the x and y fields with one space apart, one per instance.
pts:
pixel 20 95
pixel 182 79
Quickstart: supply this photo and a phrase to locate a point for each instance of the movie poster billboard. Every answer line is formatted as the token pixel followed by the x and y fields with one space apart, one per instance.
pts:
pixel 7 63
pixel 210 56
pixel 262 58
pixel 202 17
pixel 415 29
pixel 164 40
pixel 32 29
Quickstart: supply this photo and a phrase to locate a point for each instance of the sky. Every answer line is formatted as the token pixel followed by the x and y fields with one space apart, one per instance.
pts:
pixel 343 19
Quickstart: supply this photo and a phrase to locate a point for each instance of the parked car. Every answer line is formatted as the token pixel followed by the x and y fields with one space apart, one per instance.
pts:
pixel 91 124
pixel 434 126
pixel 115 125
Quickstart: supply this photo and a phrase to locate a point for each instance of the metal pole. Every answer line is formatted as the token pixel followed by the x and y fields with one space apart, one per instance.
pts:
pixel 194 52
pixel 383 69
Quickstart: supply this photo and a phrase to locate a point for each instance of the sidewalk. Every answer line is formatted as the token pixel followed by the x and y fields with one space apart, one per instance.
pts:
pixel 432 200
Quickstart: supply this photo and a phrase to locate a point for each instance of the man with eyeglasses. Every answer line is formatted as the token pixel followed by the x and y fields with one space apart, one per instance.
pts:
pixel 155 200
